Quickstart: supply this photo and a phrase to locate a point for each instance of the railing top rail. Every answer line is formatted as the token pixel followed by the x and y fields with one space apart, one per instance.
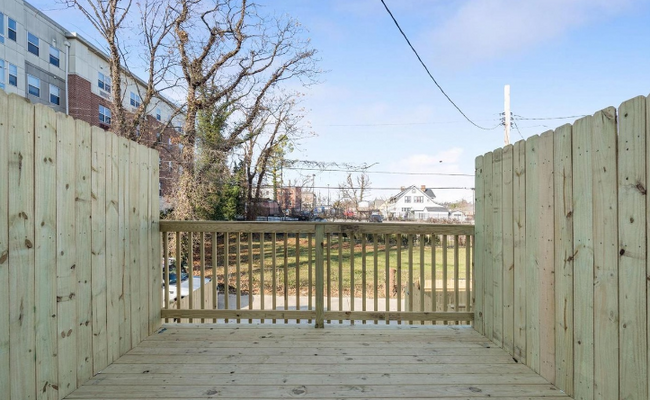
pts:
pixel 310 227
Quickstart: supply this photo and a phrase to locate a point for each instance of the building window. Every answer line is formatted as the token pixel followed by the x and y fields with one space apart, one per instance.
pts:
pixel 169 141
pixel 54 56
pixel 104 115
pixel 169 165
pixel 160 189
pixel 104 82
pixel 2 28
pixel 32 44
pixel 407 199
pixel 11 30
pixel 135 100
pixel 34 86
pixel 55 95
pixel 418 199
pixel 158 137
pixel 158 114
pixel 13 75
pixel 2 74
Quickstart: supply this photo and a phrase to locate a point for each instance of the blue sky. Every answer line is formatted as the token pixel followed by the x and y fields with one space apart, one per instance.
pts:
pixel 377 105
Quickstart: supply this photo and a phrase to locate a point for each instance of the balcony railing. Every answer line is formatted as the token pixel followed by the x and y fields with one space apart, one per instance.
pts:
pixel 320 272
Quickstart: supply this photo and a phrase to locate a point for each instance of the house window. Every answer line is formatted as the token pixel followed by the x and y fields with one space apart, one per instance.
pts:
pixel 54 56
pixel 407 199
pixel 169 141
pixel 406 210
pixel 34 86
pixel 158 137
pixel 32 44
pixel 2 74
pixel 418 199
pixel 169 165
pixel 11 30
pixel 160 189
pixel 104 82
pixel 104 115
pixel 135 100
pixel 2 28
pixel 158 114
pixel 55 96
pixel 13 75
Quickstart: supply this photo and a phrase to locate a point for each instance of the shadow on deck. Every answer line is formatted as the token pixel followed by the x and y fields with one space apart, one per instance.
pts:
pixel 272 362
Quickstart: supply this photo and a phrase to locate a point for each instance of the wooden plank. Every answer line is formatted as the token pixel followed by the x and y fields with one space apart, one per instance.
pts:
pixel 124 265
pixel 583 260
pixel 532 252
pixel 488 259
pixel 98 257
pixel 144 258
pixel 320 306
pixel 155 303
pixel 45 252
pixel 605 255
pixel 66 254
pixel 5 365
pixel 479 252
pixel 519 226
pixel 546 258
pixel 83 245
pixel 563 198
pixel 632 236
pixel 497 246
pixel 113 248
pixel 132 264
pixel 508 251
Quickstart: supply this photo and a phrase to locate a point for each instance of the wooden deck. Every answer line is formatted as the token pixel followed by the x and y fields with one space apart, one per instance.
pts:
pixel 360 361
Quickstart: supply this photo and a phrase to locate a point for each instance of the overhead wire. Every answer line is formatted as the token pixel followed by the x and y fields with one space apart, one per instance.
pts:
pixel 548 118
pixel 429 72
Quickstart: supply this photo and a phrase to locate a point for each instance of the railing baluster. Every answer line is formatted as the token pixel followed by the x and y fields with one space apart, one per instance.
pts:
pixel 286 275
pixel 320 323
pixel 445 301
pixel 375 256
pixel 409 239
pixel 297 258
pixel 274 272
pixel 262 280
pixel 399 274
pixel 226 272
pixel 250 273
pixel 352 285
pixel 434 275
pixel 179 270
pixel 190 268
pixel 215 293
pixel 422 281
pixel 456 276
pixel 328 280
pixel 165 236
pixel 202 255
pixel 363 273
pixel 310 273
pixel 387 268
pixel 468 275
pixel 340 246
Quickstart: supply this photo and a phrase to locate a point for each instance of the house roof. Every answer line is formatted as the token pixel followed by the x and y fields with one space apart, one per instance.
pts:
pixel 427 192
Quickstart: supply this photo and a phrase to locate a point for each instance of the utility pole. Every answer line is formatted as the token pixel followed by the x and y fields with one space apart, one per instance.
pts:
pixel 506 112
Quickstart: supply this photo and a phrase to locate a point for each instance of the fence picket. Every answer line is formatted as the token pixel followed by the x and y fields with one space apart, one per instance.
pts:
pixel 532 252
pixel 508 246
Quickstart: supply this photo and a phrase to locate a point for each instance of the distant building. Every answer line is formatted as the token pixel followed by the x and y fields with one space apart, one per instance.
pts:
pixel 413 203
pixel 45 63
pixel 290 199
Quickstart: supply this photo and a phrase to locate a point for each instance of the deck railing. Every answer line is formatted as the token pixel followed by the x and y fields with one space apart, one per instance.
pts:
pixel 320 272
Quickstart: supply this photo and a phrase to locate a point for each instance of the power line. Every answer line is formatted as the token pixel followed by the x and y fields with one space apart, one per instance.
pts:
pixel 429 73
pixel 549 118
pixel 401 123
pixel 381 172
pixel 514 121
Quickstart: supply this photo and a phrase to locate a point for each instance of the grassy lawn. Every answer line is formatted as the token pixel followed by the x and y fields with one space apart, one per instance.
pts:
pixel 342 268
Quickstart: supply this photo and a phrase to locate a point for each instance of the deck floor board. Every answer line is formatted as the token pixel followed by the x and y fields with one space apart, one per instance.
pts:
pixel 338 362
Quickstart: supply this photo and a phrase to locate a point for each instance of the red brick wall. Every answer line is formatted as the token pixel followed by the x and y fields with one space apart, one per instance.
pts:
pixel 84 105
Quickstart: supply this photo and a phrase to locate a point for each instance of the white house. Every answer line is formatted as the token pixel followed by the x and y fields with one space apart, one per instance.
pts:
pixel 413 203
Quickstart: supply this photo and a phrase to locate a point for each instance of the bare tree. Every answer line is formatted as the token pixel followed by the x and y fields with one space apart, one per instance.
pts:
pixel 355 190
pixel 111 19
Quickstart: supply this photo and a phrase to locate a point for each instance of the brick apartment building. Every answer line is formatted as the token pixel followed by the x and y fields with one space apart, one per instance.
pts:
pixel 45 63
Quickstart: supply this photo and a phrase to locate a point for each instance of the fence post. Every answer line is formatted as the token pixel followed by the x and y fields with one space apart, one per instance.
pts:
pixel 320 306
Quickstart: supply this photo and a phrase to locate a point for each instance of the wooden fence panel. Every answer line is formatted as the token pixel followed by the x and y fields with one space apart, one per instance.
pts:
pixel 124 288
pixel 508 246
pixel 519 270
pixel 497 246
pixel 488 297
pixel 563 195
pixel 632 187
pixel 605 255
pixel 21 248
pixel 583 260
pixel 532 252
pixel 155 300
pixel 546 259
pixel 5 379
pixel 60 282
pixel 45 257
pixel 479 252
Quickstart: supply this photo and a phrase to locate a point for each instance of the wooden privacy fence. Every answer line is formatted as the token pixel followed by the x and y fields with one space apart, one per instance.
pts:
pixel 79 249
pixel 316 271
pixel 562 268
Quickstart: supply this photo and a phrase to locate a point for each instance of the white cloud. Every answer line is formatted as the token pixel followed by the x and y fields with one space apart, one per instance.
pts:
pixel 486 29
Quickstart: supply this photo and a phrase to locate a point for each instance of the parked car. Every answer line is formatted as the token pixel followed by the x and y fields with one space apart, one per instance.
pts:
pixel 375 218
